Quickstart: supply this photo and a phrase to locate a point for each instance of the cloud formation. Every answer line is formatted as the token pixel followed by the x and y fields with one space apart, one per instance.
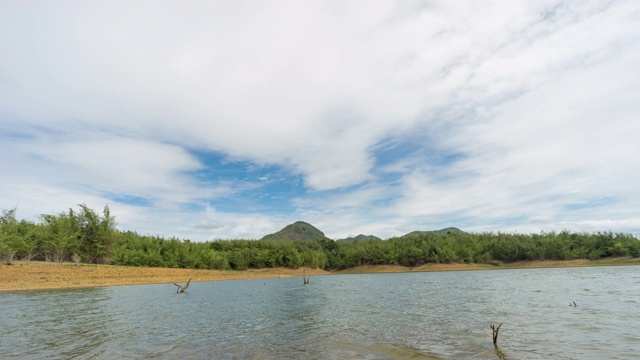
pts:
pixel 232 119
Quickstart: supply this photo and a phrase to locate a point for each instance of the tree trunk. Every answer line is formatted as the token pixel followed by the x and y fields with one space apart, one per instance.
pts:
pixel 10 255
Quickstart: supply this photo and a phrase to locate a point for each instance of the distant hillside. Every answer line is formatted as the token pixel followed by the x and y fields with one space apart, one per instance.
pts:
pixel 449 230
pixel 299 230
pixel 361 237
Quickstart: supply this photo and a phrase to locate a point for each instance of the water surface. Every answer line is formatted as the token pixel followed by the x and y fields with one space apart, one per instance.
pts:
pixel 444 315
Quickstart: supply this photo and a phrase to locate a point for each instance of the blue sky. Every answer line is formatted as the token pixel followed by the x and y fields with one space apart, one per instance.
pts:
pixel 231 119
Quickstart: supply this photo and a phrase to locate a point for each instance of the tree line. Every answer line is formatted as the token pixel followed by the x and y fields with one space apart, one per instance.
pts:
pixel 76 235
pixel 87 236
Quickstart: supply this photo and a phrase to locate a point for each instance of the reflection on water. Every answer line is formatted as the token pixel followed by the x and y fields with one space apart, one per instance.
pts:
pixel 385 316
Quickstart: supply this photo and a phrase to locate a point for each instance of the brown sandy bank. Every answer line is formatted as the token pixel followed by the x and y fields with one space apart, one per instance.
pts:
pixel 37 275
pixel 366 269
pixel 42 275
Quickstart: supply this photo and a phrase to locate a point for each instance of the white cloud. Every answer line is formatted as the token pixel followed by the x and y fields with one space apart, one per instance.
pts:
pixel 537 98
pixel 569 140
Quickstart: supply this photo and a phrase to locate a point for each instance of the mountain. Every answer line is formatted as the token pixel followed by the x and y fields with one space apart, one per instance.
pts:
pixel 361 237
pixel 302 231
pixel 299 230
pixel 445 231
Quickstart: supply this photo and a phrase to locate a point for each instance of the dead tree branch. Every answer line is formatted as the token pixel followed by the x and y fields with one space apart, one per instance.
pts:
pixel 495 333
pixel 181 288
pixel 305 278
pixel 498 352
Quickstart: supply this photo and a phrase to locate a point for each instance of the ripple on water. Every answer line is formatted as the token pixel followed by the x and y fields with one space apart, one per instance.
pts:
pixel 389 316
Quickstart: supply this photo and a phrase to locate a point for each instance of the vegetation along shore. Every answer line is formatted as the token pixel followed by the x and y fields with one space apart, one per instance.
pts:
pixel 80 248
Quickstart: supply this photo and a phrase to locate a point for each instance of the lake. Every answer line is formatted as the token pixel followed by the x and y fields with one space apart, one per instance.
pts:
pixel 442 315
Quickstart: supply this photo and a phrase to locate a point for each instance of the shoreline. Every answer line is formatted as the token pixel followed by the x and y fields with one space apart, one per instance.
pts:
pixel 538 264
pixel 36 275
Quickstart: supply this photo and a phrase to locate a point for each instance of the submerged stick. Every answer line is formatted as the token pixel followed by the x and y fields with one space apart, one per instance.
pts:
pixel 181 288
pixel 495 333
pixel 305 278
pixel 496 348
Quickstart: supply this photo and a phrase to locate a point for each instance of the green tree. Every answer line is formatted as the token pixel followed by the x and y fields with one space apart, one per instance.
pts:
pixel 59 236
pixel 9 239
pixel 95 234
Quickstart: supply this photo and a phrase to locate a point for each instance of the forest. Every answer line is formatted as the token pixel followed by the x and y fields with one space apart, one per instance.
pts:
pixel 87 236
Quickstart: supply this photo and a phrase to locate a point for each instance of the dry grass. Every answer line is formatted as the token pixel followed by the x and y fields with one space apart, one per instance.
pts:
pixel 42 275
pixel 366 269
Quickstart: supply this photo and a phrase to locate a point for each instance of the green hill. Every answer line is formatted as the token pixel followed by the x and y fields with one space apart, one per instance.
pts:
pixel 299 230
pixel 445 231
pixel 361 237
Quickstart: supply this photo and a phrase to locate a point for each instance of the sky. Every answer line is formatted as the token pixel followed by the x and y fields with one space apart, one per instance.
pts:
pixel 230 119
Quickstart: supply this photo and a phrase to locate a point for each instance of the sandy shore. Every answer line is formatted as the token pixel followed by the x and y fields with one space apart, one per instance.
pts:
pixel 621 261
pixel 37 275
pixel 41 275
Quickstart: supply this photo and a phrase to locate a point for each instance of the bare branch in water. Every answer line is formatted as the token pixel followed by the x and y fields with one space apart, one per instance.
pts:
pixel 181 288
pixel 305 278
pixel 499 352
pixel 495 333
